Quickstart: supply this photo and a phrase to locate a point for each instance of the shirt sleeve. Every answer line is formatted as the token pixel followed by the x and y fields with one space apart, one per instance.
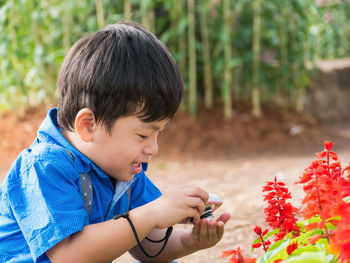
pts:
pixel 143 191
pixel 47 204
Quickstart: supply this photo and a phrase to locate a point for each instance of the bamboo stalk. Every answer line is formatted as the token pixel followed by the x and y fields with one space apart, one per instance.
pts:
pixel 295 66
pixel 317 49
pixel 227 87
pixel 12 30
pixel 147 14
pixel 66 24
pixel 127 10
pixel 235 82
pixel 256 111
pixel 283 45
pixel 11 25
pixel 192 98
pixel 208 83
pixel 297 83
pixel 342 38
pixel 178 42
pixel 99 14
pixel 182 46
pixel 151 18
pixel 300 103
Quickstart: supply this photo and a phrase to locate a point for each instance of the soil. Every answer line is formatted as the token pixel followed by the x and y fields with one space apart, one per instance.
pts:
pixel 232 158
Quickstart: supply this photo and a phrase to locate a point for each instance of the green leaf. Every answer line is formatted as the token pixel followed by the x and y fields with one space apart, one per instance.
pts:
pixel 310 257
pixel 347 199
pixel 276 251
pixel 303 238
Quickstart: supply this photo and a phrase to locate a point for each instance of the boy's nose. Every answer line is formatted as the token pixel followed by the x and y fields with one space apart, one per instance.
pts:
pixel 151 148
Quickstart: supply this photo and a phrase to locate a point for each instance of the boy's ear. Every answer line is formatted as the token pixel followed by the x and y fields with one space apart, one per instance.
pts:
pixel 85 124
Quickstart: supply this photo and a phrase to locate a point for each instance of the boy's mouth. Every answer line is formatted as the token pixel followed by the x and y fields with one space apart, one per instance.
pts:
pixel 136 167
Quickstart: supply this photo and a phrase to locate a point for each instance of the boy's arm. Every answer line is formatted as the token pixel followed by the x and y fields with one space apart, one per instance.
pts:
pixel 182 242
pixel 103 242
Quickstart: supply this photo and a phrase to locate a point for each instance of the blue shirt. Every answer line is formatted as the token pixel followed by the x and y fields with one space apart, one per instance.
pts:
pixel 41 201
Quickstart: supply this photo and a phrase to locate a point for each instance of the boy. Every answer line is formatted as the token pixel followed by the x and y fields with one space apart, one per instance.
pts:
pixel 118 89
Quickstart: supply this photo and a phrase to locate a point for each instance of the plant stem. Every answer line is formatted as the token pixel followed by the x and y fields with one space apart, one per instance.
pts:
pixel 320 206
pixel 318 193
pixel 263 243
pixel 328 167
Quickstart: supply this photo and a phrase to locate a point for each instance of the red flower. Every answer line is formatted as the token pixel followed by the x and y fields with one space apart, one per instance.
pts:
pixel 280 235
pixel 341 237
pixel 236 256
pixel 261 234
pixel 328 145
pixel 291 247
pixel 324 187
pixel 280 213
pixel 258 230
pixel 256 245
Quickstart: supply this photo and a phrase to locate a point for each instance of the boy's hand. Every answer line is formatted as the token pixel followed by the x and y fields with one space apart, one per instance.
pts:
pixel 206 233
pixel 178 205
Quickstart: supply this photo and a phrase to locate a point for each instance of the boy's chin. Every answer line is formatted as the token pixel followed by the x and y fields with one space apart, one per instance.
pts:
pixel 127 178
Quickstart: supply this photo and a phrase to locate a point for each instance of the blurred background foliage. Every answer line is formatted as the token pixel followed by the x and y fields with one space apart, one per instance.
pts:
pixel 229 51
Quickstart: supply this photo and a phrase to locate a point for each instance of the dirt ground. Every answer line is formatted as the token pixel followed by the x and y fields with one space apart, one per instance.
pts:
pixel 230 158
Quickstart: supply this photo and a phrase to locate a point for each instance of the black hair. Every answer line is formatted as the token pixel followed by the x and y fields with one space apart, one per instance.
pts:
pixel 119 71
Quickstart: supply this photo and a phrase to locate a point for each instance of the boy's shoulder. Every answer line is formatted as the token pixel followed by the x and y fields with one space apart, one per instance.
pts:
pixel 41 159
pixel 46 153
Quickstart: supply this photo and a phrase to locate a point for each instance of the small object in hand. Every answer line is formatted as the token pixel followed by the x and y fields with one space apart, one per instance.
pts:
pixel 213 203
pixel 208 213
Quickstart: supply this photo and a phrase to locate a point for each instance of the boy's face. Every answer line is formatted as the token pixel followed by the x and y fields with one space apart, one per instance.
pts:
pixel 130 143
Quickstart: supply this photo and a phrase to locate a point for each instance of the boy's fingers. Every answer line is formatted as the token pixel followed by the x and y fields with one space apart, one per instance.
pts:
pixel 203 231
pixel 197 192
pixel 224 217
pixel 196 202
pixel 195 231
pixel 195 215
pixel 219 230
pixel 212 232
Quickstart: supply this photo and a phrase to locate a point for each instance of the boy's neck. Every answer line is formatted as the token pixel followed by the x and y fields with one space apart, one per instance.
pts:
pixel 73 139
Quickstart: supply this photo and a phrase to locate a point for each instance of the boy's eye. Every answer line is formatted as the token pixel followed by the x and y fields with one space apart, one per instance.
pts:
pixel 142 136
